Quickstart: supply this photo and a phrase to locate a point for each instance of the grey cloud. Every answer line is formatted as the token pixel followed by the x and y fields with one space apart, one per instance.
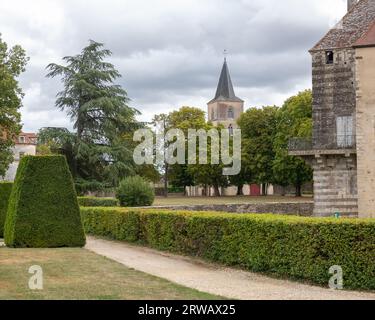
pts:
pixel 170 52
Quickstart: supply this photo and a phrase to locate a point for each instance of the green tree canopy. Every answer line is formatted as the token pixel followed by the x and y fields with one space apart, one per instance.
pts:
pixel 294 119
pixel 100 113
pixel 258 133
pixel 12 63
pixel 184 119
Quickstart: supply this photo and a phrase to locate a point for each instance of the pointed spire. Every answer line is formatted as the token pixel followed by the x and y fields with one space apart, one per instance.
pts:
pixel 225 91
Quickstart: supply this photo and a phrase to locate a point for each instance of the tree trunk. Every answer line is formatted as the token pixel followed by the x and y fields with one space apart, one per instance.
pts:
pixel 299 190
pixel 204 191
pixel 283 191
pixel 264 189
pixel 217 191
pixel 240 190
pixel 166 180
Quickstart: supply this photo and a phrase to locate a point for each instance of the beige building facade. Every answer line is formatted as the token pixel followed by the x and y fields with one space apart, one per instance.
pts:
pixel 365 124
pixel 25 145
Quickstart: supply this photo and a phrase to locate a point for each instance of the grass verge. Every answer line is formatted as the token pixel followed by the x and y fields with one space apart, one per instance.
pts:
pixel 77 274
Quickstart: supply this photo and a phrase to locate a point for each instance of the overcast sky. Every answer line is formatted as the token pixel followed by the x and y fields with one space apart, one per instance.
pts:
pixel 170 52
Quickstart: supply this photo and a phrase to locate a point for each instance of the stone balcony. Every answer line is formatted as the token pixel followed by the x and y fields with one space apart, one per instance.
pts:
pixel 345 145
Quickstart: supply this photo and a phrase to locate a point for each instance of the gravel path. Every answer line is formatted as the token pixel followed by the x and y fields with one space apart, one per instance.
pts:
pixel 214 279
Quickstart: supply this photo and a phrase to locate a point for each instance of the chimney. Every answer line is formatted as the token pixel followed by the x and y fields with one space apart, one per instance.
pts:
pixel 351 3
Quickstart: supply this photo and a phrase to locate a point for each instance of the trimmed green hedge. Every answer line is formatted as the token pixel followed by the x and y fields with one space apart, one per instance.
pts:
pixel 295 247
pixel 43 209
pixel 5 190
pixel 97 202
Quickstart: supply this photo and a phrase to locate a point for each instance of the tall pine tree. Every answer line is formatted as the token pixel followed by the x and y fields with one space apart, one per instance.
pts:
pixel 99 110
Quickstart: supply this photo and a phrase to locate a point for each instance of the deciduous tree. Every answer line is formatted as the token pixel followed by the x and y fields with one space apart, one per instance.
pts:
pixel 258 127
pixel 12 63
pixel 294 119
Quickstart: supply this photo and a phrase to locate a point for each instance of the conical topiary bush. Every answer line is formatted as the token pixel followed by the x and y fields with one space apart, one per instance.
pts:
pixel 5 190
pixel 43 210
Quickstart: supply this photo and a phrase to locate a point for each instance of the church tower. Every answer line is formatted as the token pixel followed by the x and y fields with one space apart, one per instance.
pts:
pixel 225 108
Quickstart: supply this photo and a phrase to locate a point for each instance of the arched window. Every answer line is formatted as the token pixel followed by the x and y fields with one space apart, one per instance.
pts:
pixel 213 115
pixel 230 113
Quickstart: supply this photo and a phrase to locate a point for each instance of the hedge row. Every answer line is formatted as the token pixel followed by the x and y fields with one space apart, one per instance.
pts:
pixel 97 202
pixel 294 247
pixel 5 190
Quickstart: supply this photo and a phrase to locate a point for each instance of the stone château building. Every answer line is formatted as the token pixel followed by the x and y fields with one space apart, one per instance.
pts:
pixel 342 151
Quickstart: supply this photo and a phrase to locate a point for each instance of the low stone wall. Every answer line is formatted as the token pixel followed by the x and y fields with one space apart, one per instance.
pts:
pixel 289 208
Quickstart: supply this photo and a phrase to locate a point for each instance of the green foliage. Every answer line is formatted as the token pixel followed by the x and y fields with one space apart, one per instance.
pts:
pixel 294 119
pixel 246 176
pixel 295 247
pixel 84 186
pixel 175 189
pixel 12 65
pixel 180 177
pixel 187 118
pixel 43 209
pixel 5 190
pixel 209 174
pixel 97 202
pixel 258 133
pixel 265 136
pixel 135 192
pixel 184 119
pixel 99 109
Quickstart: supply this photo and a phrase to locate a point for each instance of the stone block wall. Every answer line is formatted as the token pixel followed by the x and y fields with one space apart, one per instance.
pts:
pixel 333 94
pixel 285 208
pixel 335 185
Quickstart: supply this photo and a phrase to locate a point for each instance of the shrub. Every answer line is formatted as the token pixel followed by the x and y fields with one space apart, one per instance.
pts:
pixel 135 192
pixel 5 190
pixel 43 209
pixel 296 247
pixel 97 202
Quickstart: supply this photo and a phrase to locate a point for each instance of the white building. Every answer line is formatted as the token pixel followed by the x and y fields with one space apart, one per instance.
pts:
pixel 25 145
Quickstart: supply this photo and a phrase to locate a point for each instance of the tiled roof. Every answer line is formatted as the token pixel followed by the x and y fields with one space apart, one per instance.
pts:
pixel 352 27
pixel 27 138
pixel 368 39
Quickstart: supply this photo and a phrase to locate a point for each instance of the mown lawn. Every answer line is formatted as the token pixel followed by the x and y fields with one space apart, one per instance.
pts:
pixel 71 274
pixel 176 200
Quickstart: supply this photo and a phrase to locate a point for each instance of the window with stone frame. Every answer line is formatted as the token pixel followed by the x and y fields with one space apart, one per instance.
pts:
pixel 345 135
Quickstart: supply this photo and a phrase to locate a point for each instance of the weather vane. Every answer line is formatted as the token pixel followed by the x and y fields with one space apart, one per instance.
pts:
pixel 225 54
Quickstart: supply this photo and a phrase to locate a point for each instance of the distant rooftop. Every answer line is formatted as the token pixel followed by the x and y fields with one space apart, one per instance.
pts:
pixel 355 24
pixel 225 91
pixel 27 138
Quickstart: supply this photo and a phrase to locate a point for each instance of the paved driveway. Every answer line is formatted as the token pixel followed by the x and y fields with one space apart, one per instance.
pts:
pixel 214 279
